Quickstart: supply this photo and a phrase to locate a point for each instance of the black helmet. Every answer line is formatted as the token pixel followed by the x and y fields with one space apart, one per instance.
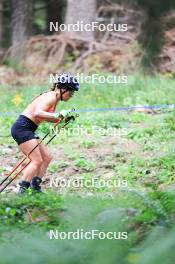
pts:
pixel 68 81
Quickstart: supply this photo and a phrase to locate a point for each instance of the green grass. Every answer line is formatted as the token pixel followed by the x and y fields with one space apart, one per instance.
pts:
pixel 139 90
pixel 32 217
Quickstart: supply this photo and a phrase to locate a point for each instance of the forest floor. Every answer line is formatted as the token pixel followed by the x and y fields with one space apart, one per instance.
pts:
pixel 141 155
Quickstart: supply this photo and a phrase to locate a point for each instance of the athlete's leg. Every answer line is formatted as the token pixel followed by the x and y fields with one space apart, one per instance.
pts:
pixel 46 157
pixel 36 159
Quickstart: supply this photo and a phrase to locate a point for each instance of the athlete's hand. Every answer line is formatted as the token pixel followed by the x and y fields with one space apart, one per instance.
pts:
pixel 63 113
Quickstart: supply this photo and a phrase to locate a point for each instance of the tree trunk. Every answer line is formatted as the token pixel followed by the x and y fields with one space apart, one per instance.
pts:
pixel 1 23
pixel 83 10
pixel 55 13
pixel 22 20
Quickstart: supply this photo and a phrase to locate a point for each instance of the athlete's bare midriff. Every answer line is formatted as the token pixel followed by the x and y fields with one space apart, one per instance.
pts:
pixel 31 108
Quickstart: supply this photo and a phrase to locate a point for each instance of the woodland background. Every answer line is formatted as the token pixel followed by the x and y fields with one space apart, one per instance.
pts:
pixel 27 45
pixel 141 151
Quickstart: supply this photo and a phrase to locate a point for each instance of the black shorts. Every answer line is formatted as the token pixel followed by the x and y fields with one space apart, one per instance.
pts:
pixel 23 130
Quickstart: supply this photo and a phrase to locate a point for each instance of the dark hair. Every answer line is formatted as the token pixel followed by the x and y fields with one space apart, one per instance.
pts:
pixel 53 88
pixel 57 86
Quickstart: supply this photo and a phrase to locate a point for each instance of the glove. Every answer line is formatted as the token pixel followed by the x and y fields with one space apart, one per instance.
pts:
pixel 63 113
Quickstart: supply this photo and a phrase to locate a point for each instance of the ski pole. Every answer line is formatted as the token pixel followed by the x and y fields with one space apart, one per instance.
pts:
pixel 17 166
pixel 67 120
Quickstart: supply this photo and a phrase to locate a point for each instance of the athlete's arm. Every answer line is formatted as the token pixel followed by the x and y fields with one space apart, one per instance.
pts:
pixel 41 110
